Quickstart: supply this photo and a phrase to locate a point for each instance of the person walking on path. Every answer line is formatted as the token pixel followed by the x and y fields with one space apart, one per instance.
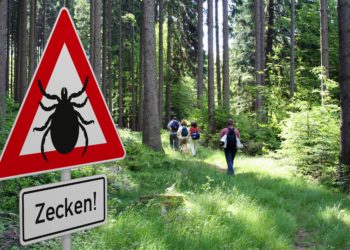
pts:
pixel 230 146
pixel 173 126
pixel 194 137
pixel 183 135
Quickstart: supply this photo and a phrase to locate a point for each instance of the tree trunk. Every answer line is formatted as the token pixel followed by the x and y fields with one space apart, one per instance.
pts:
pixel 259 58
pixel 270 30
pixel 324 42
pixel 44 25
pixel 8 64
pixel 151 131
pixel 168 75
pixel 160 62
pixel 211 104
pixel 22 51
pixel 344 62
pixel 133 99
pixel 225 69
pixel 217 43
pixel 3 61
pixel 32 42
pixel 109 57
pixel 141 79
pixel 292 50
pixel 105 49
pixel 95 38
pixel 120 64
pixel 200 85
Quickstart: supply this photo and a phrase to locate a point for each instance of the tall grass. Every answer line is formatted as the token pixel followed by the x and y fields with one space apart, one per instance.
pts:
pixel 263 207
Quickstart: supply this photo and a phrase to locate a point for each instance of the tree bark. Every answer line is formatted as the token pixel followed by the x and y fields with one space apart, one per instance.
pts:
pixel 22 51
pixel 109 57
pixel 121 61
pixel 160 62
pixel 32 42
pixel 324 36
pixel 270 29
pixel 105 69
pixel 151 131
pixel 217 43
pixel 133 99
pixel 292 50
pixel 200 85
pixel 324 42
pixel 211 104
pixel 168 75
pixel 141 77
pixel 3 61
pixel 95 38
pixel 225 69
pixel 344 62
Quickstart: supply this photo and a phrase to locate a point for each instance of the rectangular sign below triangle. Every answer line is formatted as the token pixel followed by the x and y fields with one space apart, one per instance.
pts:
pixel 64 121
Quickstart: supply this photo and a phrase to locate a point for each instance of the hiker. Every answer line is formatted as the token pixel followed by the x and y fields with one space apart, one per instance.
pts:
pixel 183 135
pixel 173 127
pixel 230 144
pixel 194 137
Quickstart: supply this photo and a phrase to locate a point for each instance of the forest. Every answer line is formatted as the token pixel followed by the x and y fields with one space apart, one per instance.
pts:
pixel 279 68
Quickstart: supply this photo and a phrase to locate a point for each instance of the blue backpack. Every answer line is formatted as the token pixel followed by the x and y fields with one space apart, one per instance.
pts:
pixel 174 125
pixel 184 131
pixel 195 135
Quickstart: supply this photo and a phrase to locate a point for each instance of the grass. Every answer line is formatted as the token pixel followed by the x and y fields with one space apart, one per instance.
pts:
pixel 264 207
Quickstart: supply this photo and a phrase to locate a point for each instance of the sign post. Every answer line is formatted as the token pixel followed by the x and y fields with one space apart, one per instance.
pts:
pixel 66 240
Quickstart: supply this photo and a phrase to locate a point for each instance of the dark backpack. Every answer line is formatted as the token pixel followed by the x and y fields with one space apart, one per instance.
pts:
pixel 174 126
pixel 195 135
pixel 231 141
pixel 184 132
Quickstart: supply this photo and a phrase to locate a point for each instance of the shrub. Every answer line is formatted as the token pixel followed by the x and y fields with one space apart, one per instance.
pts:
pixel 311 141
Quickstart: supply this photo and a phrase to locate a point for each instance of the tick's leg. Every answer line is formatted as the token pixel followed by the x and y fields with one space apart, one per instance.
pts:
pixel 45 126
pixel 86 137
pixel 48 96
pixel 47 108
pixel 82 119
pixel 43 143
pixel 81 91
pixel 80 105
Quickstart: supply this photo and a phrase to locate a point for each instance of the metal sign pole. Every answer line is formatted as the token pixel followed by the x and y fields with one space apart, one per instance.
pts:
pixel 66 241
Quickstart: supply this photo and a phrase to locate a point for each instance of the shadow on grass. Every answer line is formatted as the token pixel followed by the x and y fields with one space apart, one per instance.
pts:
pixel 295 213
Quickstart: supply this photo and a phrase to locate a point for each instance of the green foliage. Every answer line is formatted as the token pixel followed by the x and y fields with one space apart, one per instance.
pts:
pixel 311 141
pixel 183 97
pixel 82 20
pixel 11 112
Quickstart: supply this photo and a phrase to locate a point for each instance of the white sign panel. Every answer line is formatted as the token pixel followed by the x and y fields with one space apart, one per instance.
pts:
pixel 54 210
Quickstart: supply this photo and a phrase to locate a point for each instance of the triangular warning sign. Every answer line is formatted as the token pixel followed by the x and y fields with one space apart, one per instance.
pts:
pixel 64 121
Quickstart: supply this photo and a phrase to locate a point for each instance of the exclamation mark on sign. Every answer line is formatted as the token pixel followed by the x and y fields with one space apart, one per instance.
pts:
pixel 94 200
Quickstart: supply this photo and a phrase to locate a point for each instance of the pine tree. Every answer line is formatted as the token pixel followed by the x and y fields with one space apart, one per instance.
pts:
pixel 160 62
pixel 217 43
pixel 3 61
pixel 200 85
pixel 151 130
pixel 344 62
pixel 211 104
pixel 225 66
pixel 292 50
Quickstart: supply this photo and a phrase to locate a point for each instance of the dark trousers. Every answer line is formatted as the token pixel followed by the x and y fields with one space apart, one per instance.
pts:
pixel 230 154
pixel 174 141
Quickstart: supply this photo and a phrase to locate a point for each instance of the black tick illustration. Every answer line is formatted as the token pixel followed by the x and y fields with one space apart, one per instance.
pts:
pixel 64 122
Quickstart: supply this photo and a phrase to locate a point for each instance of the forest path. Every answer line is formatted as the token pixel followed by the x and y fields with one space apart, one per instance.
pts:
pixel 265 206
pixel 314 214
